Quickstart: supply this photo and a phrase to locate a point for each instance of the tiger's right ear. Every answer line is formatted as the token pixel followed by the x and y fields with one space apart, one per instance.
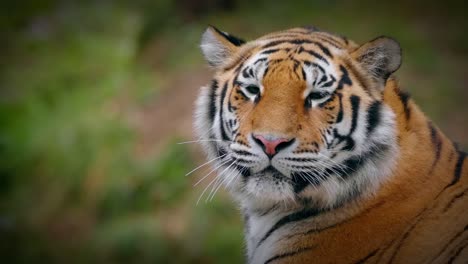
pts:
pixel 217 46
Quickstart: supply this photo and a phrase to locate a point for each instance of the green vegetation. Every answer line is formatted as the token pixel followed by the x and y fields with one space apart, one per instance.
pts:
pixel 72 187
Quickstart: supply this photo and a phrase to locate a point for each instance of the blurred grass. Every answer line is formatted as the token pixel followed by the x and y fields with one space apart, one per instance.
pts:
pixel 72 188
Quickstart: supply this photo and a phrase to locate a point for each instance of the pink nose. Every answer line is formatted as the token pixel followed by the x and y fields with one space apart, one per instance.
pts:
pixel 273 144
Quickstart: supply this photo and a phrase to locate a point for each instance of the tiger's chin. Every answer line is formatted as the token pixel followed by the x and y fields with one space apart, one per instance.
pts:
pixel 268 187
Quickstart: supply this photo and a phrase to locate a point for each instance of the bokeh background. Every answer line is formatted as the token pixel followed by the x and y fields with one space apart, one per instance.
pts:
pixel 95 96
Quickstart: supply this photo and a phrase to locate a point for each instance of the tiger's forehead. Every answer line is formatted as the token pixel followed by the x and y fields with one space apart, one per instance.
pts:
pixel 305 34
pixel 296 52
pixel 282 44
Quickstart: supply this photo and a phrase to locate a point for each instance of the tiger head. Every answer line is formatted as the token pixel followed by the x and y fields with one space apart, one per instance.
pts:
pixel 298 116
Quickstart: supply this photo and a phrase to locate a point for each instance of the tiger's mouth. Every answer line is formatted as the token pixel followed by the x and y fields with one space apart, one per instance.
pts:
pixel 272 173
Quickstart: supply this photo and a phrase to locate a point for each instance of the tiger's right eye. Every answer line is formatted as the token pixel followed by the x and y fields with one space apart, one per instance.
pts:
pixel 253 89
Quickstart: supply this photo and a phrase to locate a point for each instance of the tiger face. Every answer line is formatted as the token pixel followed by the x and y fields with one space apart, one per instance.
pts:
pixel 298 116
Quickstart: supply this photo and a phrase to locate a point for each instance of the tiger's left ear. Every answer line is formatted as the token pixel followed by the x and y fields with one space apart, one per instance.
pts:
pixel 381 57
pixel 217 46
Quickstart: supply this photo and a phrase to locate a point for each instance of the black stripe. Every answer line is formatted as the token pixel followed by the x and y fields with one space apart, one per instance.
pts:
pixel 457 253
pixel 329 83
pixel 260 60
pixel 243 160
pixel 212 96
pixel 454 199
pixel 373 117
pixel 353 164
pixel 277 42
pixel 325 50
pixel 461 233
pixel 344 78
pixel 266 71
pixel 360 79
pixel 251 72
pixel 242 152
pixel 458 168
pixel 221 121
pixel 329 40
pixel 406 234
pixel 323 79
pixel 244 171
pixel 269 51
pixel 437 142
pixel 301 159
pixel 287 41
pixel 338 139
pixel 233 39
pixel 355 100
pixel 404 98
pixel 319 230
pixel 247 73
pixel 295 67
pixel 316 55
pixel 220 151
pixel 366 258
pixel 267 211
pixel 288 254
pixel 339 117
pixel 300 180
pixel 291 218
pixel 304 76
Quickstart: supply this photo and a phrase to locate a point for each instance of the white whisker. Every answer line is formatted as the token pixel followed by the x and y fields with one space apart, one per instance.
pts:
pixel 216 186
pixel 204 190
pixel 213 170
pixel 204 164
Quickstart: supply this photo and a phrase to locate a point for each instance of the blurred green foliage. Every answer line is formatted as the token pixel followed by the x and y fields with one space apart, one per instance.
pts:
pixel 72 188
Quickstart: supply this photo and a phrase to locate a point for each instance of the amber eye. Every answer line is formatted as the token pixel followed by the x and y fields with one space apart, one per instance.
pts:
pixel 253 89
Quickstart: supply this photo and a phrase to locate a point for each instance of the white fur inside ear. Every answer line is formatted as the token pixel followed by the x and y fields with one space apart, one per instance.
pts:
pixel 214 50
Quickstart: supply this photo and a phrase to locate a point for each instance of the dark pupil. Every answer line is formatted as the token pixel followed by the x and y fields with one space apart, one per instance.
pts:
pixel 253 89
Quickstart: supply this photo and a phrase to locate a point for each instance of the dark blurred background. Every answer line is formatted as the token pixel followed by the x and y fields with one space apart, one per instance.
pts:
pixel 95 95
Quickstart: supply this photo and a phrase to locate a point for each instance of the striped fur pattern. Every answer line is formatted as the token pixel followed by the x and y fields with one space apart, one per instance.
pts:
pixel 328 159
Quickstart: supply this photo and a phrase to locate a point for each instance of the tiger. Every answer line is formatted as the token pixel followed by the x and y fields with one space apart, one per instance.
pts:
pixel 327 158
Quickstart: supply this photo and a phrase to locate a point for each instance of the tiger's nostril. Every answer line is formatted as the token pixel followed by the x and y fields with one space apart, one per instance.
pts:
pixel 272 145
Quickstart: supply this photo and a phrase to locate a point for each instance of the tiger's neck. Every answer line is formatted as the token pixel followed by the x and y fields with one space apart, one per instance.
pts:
pixel 425 154
pixel 422 154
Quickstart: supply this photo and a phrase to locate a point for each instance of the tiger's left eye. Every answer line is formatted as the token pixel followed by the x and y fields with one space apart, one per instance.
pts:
pixel 315 97
pixel 253 89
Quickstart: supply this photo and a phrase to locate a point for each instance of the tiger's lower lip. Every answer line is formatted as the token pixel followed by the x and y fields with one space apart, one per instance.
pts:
pixel 273 172
pixel 270 169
